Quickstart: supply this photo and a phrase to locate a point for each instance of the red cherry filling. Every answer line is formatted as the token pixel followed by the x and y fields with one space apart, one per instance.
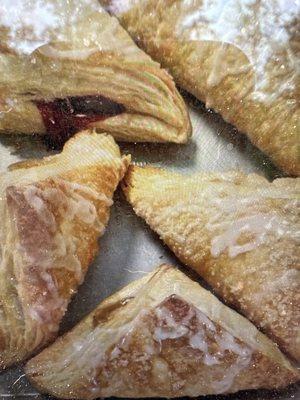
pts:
pixel 64 117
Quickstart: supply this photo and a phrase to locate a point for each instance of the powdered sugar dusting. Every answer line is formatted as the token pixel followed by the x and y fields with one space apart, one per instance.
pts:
pixel 119 7
pixel 39 17
pixel 261 29
pixel 28 24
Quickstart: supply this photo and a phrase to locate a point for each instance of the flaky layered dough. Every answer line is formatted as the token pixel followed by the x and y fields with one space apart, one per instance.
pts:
pixel 91 74
pixel 52 212
pixel 239 232
pixel 238 57
pixel 161 336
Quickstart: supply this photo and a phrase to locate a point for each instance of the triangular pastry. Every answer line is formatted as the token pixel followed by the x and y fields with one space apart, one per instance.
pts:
pixel 52 212
pixel 239 232
pixel 239 57
pixel 86 73
pixel 161 336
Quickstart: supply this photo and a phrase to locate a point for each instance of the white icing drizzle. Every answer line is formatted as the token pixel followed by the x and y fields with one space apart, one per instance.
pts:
pixel 246 216
pixel 261 29
pixel 237 221
pixel 104 350
pixel 89 352
pixel 61 252
pixel 167 327
pixel 89 191
pixel 32 196
pixel 258 225
pixel 88 355
pixel 242 362
pixel 76 204
pixel 171 329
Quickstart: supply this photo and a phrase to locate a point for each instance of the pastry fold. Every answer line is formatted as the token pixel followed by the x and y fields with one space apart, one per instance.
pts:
pixel 52 213
pixel 238 57
pixel 239 232
pixel 91 74
pixel 161 336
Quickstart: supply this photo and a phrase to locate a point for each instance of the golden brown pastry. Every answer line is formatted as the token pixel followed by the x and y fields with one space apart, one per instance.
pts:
pixel 239 232
pixel 52 212
pixel 91 74
pixel 239 57
pixel 161 336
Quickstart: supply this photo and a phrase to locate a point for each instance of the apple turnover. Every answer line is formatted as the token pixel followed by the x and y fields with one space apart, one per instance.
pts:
pixel 86 72
pixel 52 212
pixel 239 57
pixel 239 232
pixel 161 336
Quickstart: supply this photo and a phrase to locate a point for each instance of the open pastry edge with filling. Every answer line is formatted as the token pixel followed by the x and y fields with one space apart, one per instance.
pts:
pixel 52 213
pixel 161 336
pixel 92 74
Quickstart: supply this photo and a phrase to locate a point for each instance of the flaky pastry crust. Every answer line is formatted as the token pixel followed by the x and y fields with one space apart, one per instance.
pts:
pixel 91 74
pixel 161 336
pixel 238 57
pixel 52 213
pixel 239 232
